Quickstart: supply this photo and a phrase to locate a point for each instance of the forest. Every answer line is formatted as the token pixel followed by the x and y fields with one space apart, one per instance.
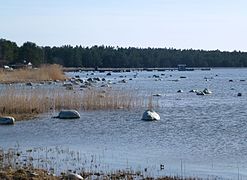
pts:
pixel 117 57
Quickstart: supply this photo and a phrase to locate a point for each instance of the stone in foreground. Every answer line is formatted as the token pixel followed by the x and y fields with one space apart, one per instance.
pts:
pixel 150 115
pixel 68 114
pixel 73 176
pixel 7 120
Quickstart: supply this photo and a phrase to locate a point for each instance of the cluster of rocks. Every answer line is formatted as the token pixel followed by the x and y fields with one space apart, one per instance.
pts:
pixel 148 115
pixel 76 81
pixel 64 114
pixel 204 92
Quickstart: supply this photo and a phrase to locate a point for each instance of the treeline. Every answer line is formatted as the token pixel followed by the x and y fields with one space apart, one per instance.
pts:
pixel 107 56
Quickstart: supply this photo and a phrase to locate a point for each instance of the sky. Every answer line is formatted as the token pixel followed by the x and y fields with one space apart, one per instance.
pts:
pixel 180 24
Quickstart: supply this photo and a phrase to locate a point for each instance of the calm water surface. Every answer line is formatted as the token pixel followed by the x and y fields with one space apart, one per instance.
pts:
pixel 201 136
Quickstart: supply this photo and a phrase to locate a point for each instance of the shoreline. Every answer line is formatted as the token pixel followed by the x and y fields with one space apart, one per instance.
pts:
pixel 39 174
pixel 76 69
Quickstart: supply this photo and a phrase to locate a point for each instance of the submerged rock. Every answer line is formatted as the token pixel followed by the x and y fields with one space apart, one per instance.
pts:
pixel 157 95
pixel 193 91
pixel 68 114
pixel 80 80
pixel 7 120
pixel 105 85
pixel 83 86
pixel 239 94
pixel 200 93
pixel 96 79
pixel 207 91
pixel 123 81
pixel 29 84
pixel 90 79
pixel 150 115
pixel 204 92
pixel 68 86
pixel 156 76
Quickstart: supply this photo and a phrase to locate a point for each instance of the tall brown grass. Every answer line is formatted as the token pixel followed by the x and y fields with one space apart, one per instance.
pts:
pixel 22 102
pixel 44 73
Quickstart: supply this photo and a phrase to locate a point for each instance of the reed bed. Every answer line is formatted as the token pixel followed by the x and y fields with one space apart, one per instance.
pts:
pixel 44 73
pixel 25 165
pixel 23 102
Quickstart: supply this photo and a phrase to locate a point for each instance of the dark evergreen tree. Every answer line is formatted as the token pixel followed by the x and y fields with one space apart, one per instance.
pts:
pixel 30 52
pixel 8 51
pixel 107 56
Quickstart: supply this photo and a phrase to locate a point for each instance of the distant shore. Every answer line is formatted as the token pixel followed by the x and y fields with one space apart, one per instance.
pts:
pixel 71 69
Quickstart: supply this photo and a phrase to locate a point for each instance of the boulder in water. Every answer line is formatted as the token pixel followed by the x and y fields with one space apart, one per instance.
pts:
pixel 123 81
pixel 29 84
pixel 157 95
pixel 150 115
pixel 193 91
pixel 200 93
pixel 7 120
pixel 68 114
pixel 207 91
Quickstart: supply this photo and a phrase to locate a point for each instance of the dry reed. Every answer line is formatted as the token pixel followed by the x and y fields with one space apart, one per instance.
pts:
pixel 26 165
pixel 21 102
pixel 44 73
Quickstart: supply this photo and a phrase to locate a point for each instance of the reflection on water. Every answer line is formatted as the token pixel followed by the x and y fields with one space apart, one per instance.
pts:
pixel 197 135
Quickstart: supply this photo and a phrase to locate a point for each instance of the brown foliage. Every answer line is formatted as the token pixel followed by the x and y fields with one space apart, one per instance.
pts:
pixel 23 102
pixel 44 73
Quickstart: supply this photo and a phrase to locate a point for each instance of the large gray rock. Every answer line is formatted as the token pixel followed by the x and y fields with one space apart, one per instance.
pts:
pixel 150 115
pixel 68 114
pixel 7 120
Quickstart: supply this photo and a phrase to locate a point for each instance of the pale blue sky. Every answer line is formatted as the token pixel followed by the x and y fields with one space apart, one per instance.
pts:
pixel 181 24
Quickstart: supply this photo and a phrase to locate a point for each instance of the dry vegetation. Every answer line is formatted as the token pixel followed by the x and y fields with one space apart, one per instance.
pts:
pixel 44 73
pixel 26 174
pixel 23 102
pixel 16 164
pixel 40 174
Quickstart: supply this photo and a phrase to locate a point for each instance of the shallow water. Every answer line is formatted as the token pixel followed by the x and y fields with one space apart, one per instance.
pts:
pixel 201 136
